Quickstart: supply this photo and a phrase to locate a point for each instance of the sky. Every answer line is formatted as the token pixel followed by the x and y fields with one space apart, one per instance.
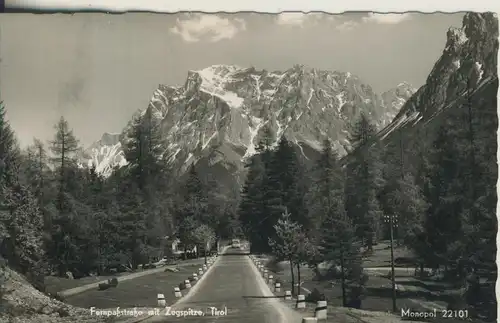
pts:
pixel 96 69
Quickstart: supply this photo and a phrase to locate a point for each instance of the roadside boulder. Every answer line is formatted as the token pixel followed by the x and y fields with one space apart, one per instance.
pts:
pixel 104 286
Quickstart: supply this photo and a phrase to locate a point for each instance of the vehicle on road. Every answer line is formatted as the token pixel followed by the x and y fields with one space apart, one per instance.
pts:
pixel 235 243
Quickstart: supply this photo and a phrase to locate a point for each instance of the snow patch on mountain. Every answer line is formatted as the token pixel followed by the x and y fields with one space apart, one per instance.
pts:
pixel 254 127
pixel 205 143
pixel 213 83
pixel 227 106
pixel 341 101
pixel 479 70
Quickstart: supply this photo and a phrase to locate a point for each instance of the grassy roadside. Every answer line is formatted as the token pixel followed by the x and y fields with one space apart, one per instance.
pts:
pixel 377 302
pixel 336 313
pixel 140 292
pixel 54 284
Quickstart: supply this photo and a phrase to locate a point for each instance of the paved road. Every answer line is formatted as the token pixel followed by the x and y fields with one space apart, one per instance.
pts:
pixel 232 284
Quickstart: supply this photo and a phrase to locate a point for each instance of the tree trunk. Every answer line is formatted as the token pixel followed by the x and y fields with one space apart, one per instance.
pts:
pixel 342 270
pixel 293 276
pixel 316 271
pixel 185 253
pixel 205 256
pixel 298 278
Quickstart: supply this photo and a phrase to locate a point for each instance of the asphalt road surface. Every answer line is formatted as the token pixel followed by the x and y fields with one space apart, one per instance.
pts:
pixel 234 288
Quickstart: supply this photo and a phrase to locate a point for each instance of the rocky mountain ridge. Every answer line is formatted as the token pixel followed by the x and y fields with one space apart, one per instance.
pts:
pixel 219 112
pixel 467 65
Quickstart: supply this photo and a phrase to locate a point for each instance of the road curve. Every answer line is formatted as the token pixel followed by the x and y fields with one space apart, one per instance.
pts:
pixel 232 285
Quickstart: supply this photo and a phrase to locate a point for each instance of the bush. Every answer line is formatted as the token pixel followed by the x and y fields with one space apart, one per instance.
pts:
pixel 315 296
pixel 104 286
pixel 113 282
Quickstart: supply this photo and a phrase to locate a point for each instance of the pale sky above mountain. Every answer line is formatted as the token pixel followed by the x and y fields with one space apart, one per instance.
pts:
pixel 97 69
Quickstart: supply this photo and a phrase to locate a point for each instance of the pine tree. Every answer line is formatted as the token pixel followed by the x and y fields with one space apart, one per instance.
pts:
pixel 64 147
pixel 195 196
pixel 444 222
pixel 23 224
pixel 406 202
pixel 9 151
pixel 334 231
pixel 363 183
pixel 222 210
pixel 479 214
pixel 326 192
pixel 251 209
pixel 254 209
pixel 282 185
pixel 143 150
pixel 132 226
pixel 36 168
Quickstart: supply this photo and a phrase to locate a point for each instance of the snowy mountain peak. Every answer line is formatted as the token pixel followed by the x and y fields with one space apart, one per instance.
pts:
pixel 217 117
pixel 105 153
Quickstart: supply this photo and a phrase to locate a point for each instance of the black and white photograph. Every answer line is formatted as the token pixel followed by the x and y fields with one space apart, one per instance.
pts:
pixel 248 167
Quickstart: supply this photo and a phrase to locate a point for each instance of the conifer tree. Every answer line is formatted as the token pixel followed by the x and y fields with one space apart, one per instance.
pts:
pixel 251 208
pixel 9 151
pixel 21 222
pixel 254 207
pixel 195 196
pixel 64 147
pixel 24 227
pixel 282 183
pixel 335 235
pixel 36 168
pixel 446 200
pixel 363 183
pixel 143 150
